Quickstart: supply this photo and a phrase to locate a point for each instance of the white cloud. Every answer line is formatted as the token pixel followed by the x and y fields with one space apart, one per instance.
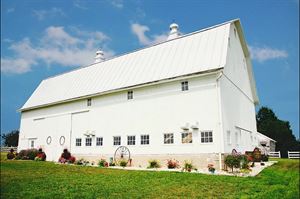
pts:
pixel 55 47
pixel 117 3
pixel 16 66
pixel 79 4
pixel 42 14
pixel 262 54
pixel 140 31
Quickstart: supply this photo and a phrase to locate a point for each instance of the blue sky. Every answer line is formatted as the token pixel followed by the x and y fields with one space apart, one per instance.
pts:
pixel 44 38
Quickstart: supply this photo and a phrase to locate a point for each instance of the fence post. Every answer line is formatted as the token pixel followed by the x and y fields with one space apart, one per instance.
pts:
pixel 279 153
pixel 288 155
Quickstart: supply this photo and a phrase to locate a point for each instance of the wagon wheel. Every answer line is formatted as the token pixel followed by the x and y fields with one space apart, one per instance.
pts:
pixel 122 153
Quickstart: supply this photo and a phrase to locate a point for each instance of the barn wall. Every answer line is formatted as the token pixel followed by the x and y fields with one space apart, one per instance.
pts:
pixel 155 110
pixel 238 109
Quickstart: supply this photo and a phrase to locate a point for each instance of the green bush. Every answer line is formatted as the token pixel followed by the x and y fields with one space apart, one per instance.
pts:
pixel 102 163
pixel 232 161
pixel 237 161
pixel 123 163
pixel 265 158
pixel 244 162
pixel 153 164
pixel 32 153
pixel 188 166
pixel 28 154
pixel 81 162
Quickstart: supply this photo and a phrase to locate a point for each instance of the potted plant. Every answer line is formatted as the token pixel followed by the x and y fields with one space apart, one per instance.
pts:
pixel 172 164
pixel 211 168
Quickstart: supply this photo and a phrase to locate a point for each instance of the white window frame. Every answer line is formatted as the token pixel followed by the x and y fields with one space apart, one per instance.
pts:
pixel 78 142
pixel 89 102
pixel 99 141
pixel 145 139
pixel 187 134
pixel 167 139
pixel 87 143
pixel 184 86
pixel 131 140
pixel 118 141
pixel 130 95
pixel 206 138
pixel 32 143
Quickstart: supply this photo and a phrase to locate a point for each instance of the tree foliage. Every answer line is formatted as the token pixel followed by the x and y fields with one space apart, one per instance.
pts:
pixel 279 130
pixel 11 139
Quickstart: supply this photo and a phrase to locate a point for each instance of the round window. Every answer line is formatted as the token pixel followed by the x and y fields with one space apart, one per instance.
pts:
pixel 62 140
pixel 49 139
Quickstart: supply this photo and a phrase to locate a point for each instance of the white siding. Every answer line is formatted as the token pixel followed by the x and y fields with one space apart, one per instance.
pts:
pixel 154 110
pixel 238 109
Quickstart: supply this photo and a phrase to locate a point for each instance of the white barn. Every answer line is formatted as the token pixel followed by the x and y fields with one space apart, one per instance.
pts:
pixel 191 97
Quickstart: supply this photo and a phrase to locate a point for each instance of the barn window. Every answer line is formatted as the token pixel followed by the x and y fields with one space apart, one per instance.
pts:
pixel 130 95
pixel 187 138
pixel 89 102
pixel 228 137
pixel 32 144
pixel 117 140
pixel 49 139
pixel 185 86
pixel 206 137
pixel 99 141
pixel 168 138
pixel 62 140
pixel 145 139
pixel 88 141
pixel 78 142
pixel 131 140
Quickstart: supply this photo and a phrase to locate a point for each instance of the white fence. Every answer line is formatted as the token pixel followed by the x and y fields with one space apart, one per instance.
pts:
pixel 294 154
pixel 274 154
pixel 7 148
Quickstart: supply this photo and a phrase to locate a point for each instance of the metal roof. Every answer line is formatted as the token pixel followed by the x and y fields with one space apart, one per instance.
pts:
pixel 199 51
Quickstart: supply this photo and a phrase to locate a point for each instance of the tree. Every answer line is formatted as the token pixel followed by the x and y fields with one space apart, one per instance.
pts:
pixel 279 130
pixel 11 139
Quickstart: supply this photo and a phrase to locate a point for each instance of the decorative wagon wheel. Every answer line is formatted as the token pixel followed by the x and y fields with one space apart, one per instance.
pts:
pixel 122 153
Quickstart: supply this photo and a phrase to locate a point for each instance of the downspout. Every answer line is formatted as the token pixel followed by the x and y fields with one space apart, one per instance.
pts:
pixel 220 118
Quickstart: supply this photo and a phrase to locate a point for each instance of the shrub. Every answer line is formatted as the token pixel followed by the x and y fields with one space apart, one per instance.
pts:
pixel 188 166
pixel 32 153
pixel 232 161
pixel 112 164
pixel 123 163
pixel 153 164
pixel 81 162
pixel 244 162
pixel 28 154
pixel 172 164
pixel 10 156
pixel 265 158
pixel 102 163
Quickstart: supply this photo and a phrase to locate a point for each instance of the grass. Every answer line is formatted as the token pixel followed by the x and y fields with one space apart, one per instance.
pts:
pixel 30 179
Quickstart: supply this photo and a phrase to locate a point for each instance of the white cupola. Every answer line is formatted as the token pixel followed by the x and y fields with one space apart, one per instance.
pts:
pixel 174 32
pixel 99 56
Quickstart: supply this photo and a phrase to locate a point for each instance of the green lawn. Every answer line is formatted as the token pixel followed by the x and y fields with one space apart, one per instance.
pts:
pixel 29 179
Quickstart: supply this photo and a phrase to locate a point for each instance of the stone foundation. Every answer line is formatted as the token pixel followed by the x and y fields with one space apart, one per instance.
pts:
pixel 200 161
